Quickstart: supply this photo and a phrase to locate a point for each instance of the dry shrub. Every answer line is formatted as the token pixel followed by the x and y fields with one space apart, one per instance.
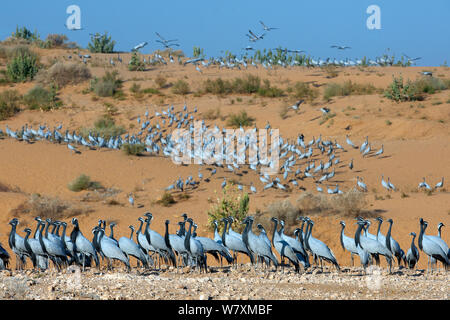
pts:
pixel 9 103
pixel 181 87
pixel 349 204
pixel 310 204
pixel 64 73
pixel 48 207
pixel 161 81
pixel 56 41
pixel 166 200
pixel 283 210
pixel 331 71
pixel 212 114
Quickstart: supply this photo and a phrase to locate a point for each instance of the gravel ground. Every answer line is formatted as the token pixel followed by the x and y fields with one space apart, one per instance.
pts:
pixel 225 284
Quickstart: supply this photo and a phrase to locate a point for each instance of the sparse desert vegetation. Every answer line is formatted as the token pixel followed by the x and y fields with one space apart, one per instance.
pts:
pixel 9 103
pixel 84 182
pixel 63 74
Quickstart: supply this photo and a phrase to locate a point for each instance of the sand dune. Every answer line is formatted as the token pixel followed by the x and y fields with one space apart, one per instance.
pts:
pixel 416 144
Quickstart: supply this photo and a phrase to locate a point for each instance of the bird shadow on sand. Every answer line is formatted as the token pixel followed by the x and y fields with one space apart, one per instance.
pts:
pixel 149 273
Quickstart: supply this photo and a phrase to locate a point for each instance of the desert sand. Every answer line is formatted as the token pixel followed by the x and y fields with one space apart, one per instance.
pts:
pixel 416 145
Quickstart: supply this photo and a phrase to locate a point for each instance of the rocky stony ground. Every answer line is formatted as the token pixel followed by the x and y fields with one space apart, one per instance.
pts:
pixel 245 283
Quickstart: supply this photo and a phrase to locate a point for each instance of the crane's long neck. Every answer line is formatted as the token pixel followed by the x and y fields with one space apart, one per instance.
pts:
pixel 12 236
pixel 342 237
pixel 166 237
pixel 308 234
pixel 302 235
pixel 224 231
pixel 274 231
pixel 388 237
pixel 183 229
pixel 379 227
pixel 111 235
pixel 412 243
pixel 131 234
pixel 27 244
pixel 63 236
pixel 422 231
pixel 147 234
pixel 281 231
pixel 100 233
pixel 36 230
pixel 245 233
pixel 57 230
pixel 216 229
pixel 74 234
pixel 140 226
pixel 187 239
pixel 439 231
pixel 41 240
pixel 53 229
pixel 358 235
pixel 46 230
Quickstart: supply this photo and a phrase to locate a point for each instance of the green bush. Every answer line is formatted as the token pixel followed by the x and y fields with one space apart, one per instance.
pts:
pixel 101 43
pixel 430 85
pixel 25 34
pixel 108 85
pixel 250 84
pixel 166 200
pixel 133 149
pixel 218 86
pixel 23 66
pixel 348 88
pixel 151 91
pixel 4 80
pixel 55 41
pixel 83 182
pixel 302 90
pixel 43 99
pixel 161 81
pixel 270 92
pixel 181 87
pixel 9 103
pixel 198 52
pixel 135 63
pixel 240 119
pixel 399 92
pixel 232 204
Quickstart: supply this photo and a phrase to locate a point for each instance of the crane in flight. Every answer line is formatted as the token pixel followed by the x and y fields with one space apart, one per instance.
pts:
pixel 139 46
pixel 266 28
pixel 166 43
pixel 253 37
pixel 340 47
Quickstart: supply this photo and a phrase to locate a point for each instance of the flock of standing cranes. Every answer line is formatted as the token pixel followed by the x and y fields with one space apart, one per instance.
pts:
pixel 186 248
pixel 318 160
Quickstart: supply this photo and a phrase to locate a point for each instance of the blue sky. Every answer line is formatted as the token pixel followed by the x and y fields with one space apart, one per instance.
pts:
pixel 416 28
